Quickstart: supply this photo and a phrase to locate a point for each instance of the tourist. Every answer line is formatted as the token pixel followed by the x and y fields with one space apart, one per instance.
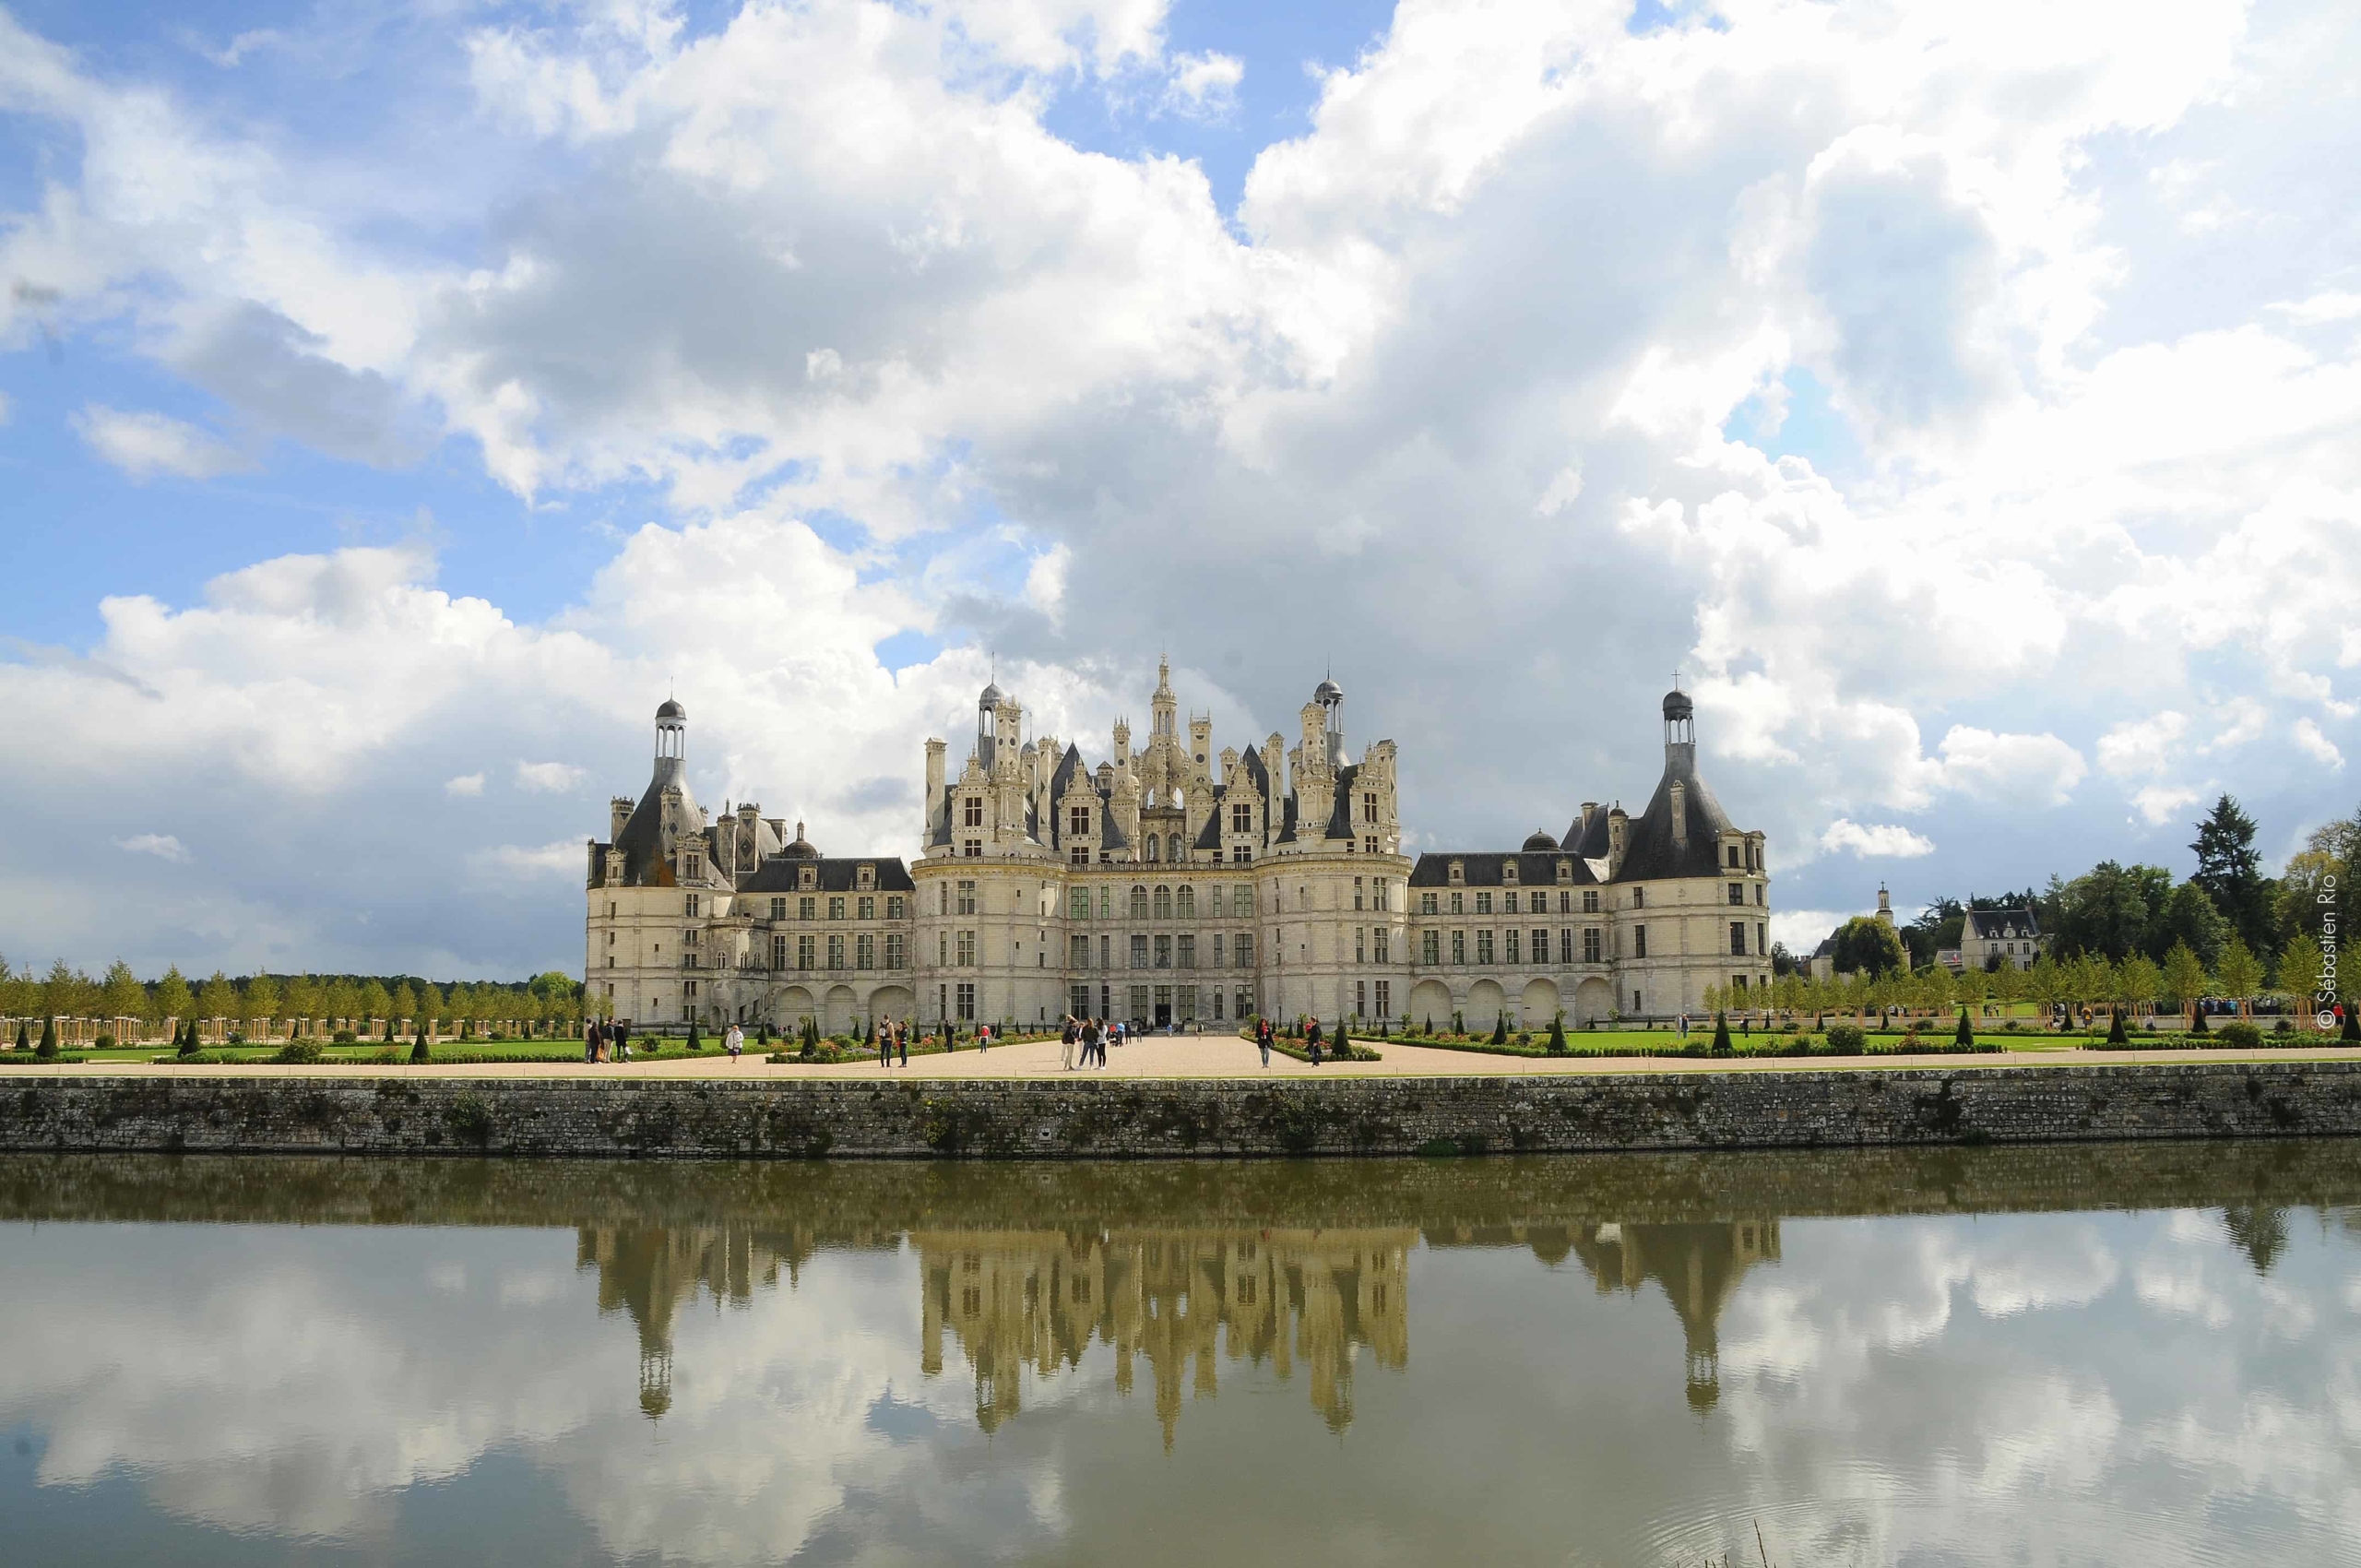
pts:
pixel 1312 1038
pixel 902 1041
pixel 1094 1042
pixel 1066 1044
pixel 620 1039
pixel 734 1042
pixel 590 1037
pixel 881 1036
pixel 1263 1039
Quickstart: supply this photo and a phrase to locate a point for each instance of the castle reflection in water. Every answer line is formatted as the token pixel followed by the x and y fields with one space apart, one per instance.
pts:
pixel 1017 1302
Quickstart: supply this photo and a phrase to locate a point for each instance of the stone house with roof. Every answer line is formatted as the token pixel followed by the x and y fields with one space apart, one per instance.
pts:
pixel 1172 884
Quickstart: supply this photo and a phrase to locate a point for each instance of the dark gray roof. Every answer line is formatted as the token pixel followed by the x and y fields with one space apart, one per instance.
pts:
pixel 1485 868
pixel 836 875
pixel 1678 706
pixel 1110 837
pixel 1340 816
pixel 1541 843
pixel 671 709
pixel 1649 851
pixel 1991 923
pixel 1590 843
pixel 646 842
pixel 1287 823
pixel 1209 836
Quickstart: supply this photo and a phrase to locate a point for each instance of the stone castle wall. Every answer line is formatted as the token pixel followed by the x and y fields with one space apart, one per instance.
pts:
pixel 400 1114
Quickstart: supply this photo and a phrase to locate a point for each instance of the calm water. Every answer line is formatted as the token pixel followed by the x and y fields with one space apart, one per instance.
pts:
pixel 2041 1356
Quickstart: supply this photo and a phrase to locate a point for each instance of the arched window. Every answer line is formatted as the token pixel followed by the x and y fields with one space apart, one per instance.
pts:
pixel 1175 856
pixel 1164 903
pixel 1185 904
pixel 1152 842
pixel 1139 902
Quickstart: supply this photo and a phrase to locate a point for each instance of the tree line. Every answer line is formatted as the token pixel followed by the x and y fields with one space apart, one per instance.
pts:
pixel 2134 934
pixel 64 992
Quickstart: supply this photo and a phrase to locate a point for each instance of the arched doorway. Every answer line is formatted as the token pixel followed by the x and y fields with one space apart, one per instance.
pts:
pixel 1540 1004
pixel 895 1004
pixel 841 1006
pixel 1486 1002
pixel 794 1007
pixel 1430 1002
pixel 1594 1000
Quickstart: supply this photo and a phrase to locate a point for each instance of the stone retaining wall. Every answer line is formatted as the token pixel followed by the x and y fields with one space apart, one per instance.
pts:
pixel 398 1113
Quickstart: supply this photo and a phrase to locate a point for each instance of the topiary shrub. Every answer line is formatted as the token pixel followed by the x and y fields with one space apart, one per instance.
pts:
pixel 2198 1025
pixel 2239 1034
pixel 104 1042
pixel 2352 1031
pixel 1429 1028
pixel 2115 1035
pixel 48 1046
pixel 24 1037
pixel 418 1051
pixel 1845 1040
pixel 1966 1033
pixel 1721 1031
pixel 1501 1029
pixel 2282 1027
pixel 298 1052
pixel 344 1036
pixel 694 1044
pixel 1557 1046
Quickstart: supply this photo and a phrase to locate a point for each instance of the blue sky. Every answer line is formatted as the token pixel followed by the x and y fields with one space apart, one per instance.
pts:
pixel 401 395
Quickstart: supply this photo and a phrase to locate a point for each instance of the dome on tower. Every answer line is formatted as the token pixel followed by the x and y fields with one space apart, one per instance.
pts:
pixel 1678 706
pixel 801 848
pixel 994 696
pixel 672 710
pixel 1327 692
pixel 1540 843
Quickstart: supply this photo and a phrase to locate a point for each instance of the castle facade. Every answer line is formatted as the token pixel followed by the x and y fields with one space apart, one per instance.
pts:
pixel 1171 884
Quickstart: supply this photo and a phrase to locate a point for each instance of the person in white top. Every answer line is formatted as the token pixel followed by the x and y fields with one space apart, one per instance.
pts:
pixel 735 1041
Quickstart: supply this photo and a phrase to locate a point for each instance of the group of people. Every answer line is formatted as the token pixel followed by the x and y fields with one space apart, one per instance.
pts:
pixel 604 1041
pixel 892 1037
pixel 1094 1035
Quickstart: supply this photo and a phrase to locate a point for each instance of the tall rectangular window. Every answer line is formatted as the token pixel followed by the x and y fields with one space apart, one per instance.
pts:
pixel 1382 938
pixel 1241 818
pixel 1245 956
pixel 1385 998
pixel 1139 1002
pixel 972 814
pixel 1357 893
pixel 1512 941
pixel 1483 946
pixel 894 906
pixel 1508 902
pixel 835 952
pixel 1079 821
pixel 807 952
pixel 894 956
pixel 1639 897
pixel 1760 949
pixel 1459 947
pixel 1217 955
pixel 837 908
pixel 1105 960
pixel 689 905
pixel 1361 944
pixel 778 951
pixel 1540 946
pixel 1426 903
pixel 1430 946
pixel 1078 904
pixel 1361 999
pixel 1565 945
pixel 1458 902
pixel 1483 903
pixel 865 908
pixel 1590 900
pixel 1379 883
pixel 966 899
pixel 1565 902
pixel 1185 952
pixel 1163 952
pixel 1590 944
pixel 967 1001
pixel 1639 942
pixel 778 909
pixel 1241 854
pixel 1738 936
pixel 864 951
pixel 1139 951
pixel 966 954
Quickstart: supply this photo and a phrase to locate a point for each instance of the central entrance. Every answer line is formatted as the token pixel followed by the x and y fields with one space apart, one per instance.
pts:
pixel 1163 1015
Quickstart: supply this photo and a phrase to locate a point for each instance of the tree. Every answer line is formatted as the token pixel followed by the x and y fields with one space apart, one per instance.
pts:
pixel 2138 982
pixel 2230 872
pixel 404 1002
pixel 1865 945
pixel 2240 972
pixel 2301 970
pixel 1783 963
pixel 262 1004
pixel 2189 918
pixel 67 992
pixel 173 999
pixel 375 1002
pixel 2183 977
pixel 120 993
pixel 418 1051
pixel 217 999
pixel 1966 1033
pixel 1558 1033
pixel 48 1046
pixel 2108 910
pixel 303 998
pixel 2046 986
pixel 1722 1031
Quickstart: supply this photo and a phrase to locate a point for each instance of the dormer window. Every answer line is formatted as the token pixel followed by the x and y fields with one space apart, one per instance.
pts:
pixel 690 866
pixel 1458 871
pixel 865 877
pixel 1565 870
pixel 1508 871
pixel 1733 857
pixel 810 878
pixel 974 811
pixel 1079 821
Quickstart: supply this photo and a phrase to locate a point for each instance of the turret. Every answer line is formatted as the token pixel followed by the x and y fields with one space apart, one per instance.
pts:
pixel 931 814
pixel 1618 838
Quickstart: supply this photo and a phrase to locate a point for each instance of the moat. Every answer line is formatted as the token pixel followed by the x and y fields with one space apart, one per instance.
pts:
pixel 2055 1354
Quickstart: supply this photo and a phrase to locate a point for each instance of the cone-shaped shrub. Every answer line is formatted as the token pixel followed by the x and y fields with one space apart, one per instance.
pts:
pixel 389 1031
pixel 2115 1035
pixel 2197 1021
pixel 1500 1030
pixel 418 1051
pixel 1558 1033
pixel 1964 1034
pixel 187 1042
pixel 2352 1029
pixel 695 1044
pixel 24 1037
pixel 1721 1031
pixel 48 1046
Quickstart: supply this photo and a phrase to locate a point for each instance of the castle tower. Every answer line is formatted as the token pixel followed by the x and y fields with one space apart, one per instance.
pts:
pixel 672 730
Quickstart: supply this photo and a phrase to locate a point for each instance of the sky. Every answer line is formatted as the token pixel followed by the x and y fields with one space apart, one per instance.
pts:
pixel 398 400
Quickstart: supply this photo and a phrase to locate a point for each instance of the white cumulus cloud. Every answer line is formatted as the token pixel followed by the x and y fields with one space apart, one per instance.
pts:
pixel 146 445
pixel 548 778
pixel 1878 838
pixel 2313 744
pixel 466 785
pixel 163 846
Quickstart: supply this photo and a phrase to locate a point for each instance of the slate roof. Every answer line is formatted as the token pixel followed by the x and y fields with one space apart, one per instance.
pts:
pixel 1649 851
pixel 1340 816
pixel 647 844
pixel 779 875
pixel 1486 869
pixel 1992 924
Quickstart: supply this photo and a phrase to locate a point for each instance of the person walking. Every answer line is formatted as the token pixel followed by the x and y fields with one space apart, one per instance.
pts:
pixel 1263 1039
pixel 902 1039
pixel 1066 1044
pixel 590 1041
pixel 1312 1038
pixel 734 1042
pixel 1094 1042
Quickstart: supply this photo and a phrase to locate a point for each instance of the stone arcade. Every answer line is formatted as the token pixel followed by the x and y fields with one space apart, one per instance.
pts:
pixel 1171 884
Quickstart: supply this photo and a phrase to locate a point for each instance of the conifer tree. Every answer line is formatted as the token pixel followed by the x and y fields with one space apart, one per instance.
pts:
pixel 2352 1031
pixel 24 1038
pixel 48 1046
pixel 1501 1029
pixel 1721 1031
pixel 1966 1033
pixel 1558 1033
pixel 418 1051
pixel 186 1042
pixel 2115 1034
